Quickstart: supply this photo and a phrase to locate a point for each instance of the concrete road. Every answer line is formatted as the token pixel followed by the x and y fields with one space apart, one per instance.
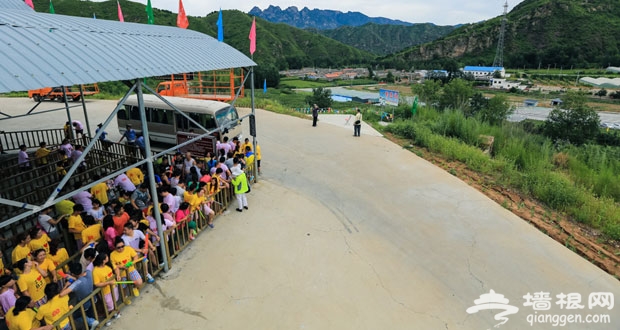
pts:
pixel 541 113
pixel 358 233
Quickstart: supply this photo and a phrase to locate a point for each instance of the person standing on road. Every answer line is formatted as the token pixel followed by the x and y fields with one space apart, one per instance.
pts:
pixel 315 114
pixel 357 126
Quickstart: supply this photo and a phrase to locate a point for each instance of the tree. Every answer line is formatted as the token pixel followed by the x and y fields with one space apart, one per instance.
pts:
pixel 371 73
pixel 601 93
pixel 428 91
pixel 497 74
pixel 576 123
pixel 477 103
pixel 497 110
pixel 390 77
pixel 321 97
pixel 456 95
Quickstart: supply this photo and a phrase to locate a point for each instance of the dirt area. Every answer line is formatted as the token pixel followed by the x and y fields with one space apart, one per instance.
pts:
pixel 585 241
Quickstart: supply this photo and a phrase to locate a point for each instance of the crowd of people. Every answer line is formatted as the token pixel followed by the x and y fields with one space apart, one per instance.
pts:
pixel 113 226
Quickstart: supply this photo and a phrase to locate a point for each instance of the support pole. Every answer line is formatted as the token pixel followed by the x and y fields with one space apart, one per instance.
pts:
pixel 151 174
pixel 64 97
pixel 84 109
pixel 254 173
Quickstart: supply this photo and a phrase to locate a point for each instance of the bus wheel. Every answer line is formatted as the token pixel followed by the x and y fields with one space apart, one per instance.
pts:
pixel 76 99
pixel 60 99
pixel 36 97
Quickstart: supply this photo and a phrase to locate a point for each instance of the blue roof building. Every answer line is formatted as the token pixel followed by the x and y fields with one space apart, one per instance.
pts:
pixel 484 72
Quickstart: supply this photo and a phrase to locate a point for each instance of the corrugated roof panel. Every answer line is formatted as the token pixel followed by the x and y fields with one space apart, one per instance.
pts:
pixel 41 50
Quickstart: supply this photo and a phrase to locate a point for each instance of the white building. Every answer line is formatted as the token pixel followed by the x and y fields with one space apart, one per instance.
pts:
pixel 484 72
pixel 499 83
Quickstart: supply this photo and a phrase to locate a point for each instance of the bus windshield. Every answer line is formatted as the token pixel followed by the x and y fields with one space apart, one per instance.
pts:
pixel 226 115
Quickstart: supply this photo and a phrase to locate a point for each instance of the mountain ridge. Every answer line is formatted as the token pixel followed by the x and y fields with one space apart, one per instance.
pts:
pixel 320 19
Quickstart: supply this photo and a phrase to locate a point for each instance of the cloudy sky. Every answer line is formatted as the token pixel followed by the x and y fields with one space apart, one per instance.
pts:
pixel 442 12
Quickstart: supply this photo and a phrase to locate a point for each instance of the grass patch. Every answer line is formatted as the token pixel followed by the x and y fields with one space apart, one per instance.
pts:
pixel 579 181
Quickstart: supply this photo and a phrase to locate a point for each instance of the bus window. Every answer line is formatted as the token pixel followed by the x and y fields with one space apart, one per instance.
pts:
pixel 151 114
pixel 165 117
pixel 135 113
pixel 122 113
pixel 209 121
pixel 182 123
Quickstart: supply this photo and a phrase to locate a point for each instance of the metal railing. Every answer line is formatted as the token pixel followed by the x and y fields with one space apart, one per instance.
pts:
pixel 32 138
pixel 176 240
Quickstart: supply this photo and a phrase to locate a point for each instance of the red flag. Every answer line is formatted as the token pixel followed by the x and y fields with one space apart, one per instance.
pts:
pixel 120 12
pixel 182 21
pixel 30 4
pixel 253 37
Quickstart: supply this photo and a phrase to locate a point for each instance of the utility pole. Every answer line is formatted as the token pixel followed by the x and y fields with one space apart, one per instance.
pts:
pixel 498 62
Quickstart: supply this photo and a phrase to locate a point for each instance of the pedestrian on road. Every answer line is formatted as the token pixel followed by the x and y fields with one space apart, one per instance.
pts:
pixel 315 114
pixel 357 126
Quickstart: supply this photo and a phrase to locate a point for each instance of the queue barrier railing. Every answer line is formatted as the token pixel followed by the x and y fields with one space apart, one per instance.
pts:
pixel 176 240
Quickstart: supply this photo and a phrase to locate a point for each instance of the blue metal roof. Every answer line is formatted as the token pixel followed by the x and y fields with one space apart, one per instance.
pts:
pixel 42 50
pixel 483 68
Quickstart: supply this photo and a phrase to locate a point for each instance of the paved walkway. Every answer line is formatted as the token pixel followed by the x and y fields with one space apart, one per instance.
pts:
pixel 358 233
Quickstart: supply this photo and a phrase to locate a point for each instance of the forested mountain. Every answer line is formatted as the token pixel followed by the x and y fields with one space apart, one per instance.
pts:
pixel 387 39
pixel 560 33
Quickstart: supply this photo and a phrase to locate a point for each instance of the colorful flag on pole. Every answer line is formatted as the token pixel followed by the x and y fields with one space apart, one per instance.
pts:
pixel 52 11
pixel 220 27
pixel 253 37
pixel 120 12
pixel 414 107
pixel 265 86
pixel 149 13
pixel 182 21
pixel 30 4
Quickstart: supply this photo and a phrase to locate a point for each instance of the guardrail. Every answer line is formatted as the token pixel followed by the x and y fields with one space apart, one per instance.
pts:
pixel 12 140
pixel 176 240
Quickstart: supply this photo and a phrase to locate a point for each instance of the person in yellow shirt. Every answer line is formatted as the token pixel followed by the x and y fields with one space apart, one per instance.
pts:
pixel 246 143
pixel 103 277
pixel 191 197
pixel 123 257
pixel 257 153
pixel 45 265
pixel 76 224
pixel 57 255
pixel 93 230
pixel 55 308
pixel 100 191
pixel 3 271
pixel 23 317
pixel 135 175
pixel 21 250
pixel 39 240
pixel 41 154
pixel 31 283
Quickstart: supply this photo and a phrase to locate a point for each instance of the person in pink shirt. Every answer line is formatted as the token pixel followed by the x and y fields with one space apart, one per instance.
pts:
pixel 122 181
pixel 22 158
pixel 66 147
pixel 168 199
pixel 83 197
pixel 79 128
pixel 7 292
pixel 109 234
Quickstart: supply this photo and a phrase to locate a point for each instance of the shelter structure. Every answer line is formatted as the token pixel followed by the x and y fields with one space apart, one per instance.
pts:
pixel 41 50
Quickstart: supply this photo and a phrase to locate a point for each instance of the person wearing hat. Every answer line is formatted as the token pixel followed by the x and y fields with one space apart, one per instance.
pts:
pixel 240 184
pixel 130 135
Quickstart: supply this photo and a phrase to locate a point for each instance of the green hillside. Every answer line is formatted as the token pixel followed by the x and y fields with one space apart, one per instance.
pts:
pixel 561 33
pixel 386 39
pixel 278 45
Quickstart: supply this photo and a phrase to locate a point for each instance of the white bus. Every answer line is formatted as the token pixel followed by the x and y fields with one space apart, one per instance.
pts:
pixel 164 122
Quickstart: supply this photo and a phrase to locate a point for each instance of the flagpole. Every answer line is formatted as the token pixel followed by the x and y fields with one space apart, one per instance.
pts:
pixel 254 169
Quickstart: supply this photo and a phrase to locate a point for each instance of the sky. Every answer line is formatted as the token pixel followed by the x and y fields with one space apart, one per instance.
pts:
pixel 440 12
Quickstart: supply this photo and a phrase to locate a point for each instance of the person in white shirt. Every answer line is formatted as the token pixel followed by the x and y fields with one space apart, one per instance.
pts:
pixel 48 223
